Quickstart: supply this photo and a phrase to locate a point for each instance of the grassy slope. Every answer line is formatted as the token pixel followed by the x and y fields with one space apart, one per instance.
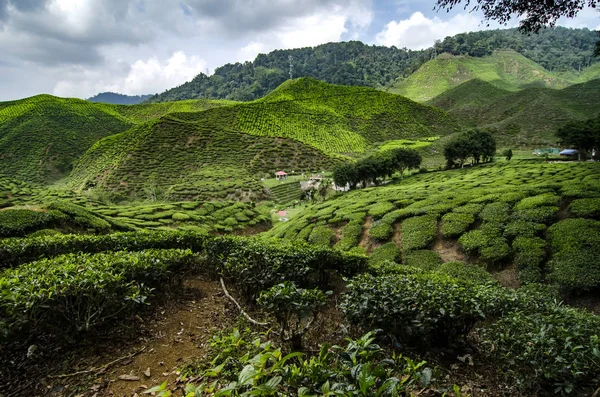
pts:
pixel 339 119
pixel 41 136
pixel 507 70
pixel 305 124
pixel 525 118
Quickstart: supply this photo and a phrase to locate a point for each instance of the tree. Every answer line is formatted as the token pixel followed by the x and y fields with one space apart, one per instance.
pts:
pixel 581 135
pixel 534 14
pixel 405 159
pixel 508 154
pixel 477 144
pixel 345 174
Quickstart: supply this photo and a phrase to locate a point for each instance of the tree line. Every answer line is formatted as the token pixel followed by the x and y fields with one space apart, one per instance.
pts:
pixel 477 145
pixel 354 63
pixel 583 135
pixel 381 165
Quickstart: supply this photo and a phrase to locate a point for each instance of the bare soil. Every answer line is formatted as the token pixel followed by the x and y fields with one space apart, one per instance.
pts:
pixel 157 344
pixel 449 250
pixel 508 277
pixel 365 238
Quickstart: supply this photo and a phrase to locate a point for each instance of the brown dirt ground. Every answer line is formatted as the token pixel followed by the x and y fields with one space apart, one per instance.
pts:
pixel 365 238
pixel 449 250
pixel 162 341
pixel 508 277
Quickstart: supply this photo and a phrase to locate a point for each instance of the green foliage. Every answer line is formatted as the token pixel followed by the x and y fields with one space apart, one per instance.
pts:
pixel 423 259
pixel 529 255
pixel 585 208
pixel 456 223
pixel 80 215
pixel 575 249
pixel 520 228
pixel 418 232
pixel 381 231
pixel 463 271
pixel 381 208
pixel 558 349
pixel 475 144
pixel 257 367
pixel 321 235
pixel 508 154
pixel 19 222
pixel 581 135
pixel 350 236
pixel 80 292
pixel 388 252
pixel 294 308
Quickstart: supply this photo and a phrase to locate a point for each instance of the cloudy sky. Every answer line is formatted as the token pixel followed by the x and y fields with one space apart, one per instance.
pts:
pixel 78 48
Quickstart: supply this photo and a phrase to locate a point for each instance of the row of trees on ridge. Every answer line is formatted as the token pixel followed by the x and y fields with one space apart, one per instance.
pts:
pixel 381 165
pixel 478 145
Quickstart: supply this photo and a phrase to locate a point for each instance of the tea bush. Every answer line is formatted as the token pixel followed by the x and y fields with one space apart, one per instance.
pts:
pixel 455 223
pixel 242 367
pixel 380 209
pixel 386 252
pixel 80 292
pixel 80 215
pixel 418 232
pixel 321 235
pixel 381 231
pixel 585 208
pixel 544 214
pixel 19 222
pixel 529 255
pixel 423 259
pixel 350 236
pixel 520 228
pixel 575 247
pixel 557 350
pixel 463 271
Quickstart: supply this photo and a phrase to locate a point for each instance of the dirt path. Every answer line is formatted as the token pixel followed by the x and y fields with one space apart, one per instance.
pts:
pixel 162 342
pixel 397 239
pixel 508 277
pixel 449 250
pixel 365 237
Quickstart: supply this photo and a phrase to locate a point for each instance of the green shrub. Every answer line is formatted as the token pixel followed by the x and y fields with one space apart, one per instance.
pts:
pixel 575 247
pixel 456 223
pixel 231 221
pixel 585 208
pixel 529 255
pixel 45 233
pixel 521 228
pixel 546 199
pixel 537 214
pixel 487 242
pixel 496 213
pixel 80 215
pixel 351 233
pixel 19 222
pixel 380 209
pixel 180 216
pixel 423 259
pixel 321 235
pixel 557 351
pixel 463 271
pixel 386 252
pixel 381 231
pixel 471 209
pixel 79 292
pixel 418 232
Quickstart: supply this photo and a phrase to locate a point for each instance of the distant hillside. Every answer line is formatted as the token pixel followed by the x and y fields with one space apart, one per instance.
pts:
pixel 41 136
pixel 507 70
pixel 560 50
pixel 524 118
pixel 118 99
pixel 303 125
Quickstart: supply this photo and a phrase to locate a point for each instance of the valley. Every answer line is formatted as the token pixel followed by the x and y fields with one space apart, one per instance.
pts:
pixel 329 234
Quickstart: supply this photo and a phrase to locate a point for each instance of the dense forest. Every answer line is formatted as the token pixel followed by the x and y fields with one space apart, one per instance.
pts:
pixel 358 64
pixel 118 99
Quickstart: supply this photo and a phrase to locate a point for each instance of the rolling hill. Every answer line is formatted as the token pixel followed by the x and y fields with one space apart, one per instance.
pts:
pixel 523 118
pixel 303 125
pixel 353 63
pixel 507 70
pixel 41 136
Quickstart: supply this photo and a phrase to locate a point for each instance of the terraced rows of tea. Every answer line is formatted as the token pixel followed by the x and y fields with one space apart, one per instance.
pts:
pixel 543 218
pixel 42 136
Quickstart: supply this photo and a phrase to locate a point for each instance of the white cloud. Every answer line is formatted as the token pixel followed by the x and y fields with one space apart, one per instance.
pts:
pixel 338 23
pixel 143 77
pixel 419 32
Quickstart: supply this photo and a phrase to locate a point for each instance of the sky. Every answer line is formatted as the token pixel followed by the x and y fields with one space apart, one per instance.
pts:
pixel 78 48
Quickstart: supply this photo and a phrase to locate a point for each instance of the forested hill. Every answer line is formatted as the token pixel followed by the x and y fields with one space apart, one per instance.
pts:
pixel 118 99
pixel 354 63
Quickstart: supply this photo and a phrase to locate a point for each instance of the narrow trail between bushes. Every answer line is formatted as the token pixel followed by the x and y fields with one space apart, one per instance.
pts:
pixel 162 341
pixel 397 239
pixel 508 277
pixel 449 251
pixel 365 237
